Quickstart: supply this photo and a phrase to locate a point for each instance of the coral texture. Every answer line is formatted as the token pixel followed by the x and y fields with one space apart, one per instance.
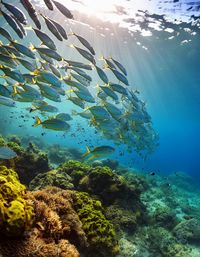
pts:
pixel 100 232
pixel 16 214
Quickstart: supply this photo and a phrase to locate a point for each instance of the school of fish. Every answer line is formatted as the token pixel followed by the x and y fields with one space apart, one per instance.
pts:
pixel 35 74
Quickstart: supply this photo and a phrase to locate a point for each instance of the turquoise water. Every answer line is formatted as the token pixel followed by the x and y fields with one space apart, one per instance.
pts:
pixel 151 195
pixel 165 71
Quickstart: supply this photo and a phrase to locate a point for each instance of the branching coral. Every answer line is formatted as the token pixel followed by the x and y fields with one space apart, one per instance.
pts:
pixel 16 215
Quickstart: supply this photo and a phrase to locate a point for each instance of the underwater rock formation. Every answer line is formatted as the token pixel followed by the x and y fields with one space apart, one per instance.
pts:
pixel 188 231
pixel 16 214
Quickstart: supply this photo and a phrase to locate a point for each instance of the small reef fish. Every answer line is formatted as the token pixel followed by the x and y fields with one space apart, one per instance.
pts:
pixel 7 101
pixel 7 153
pixel 64 10
pixel 46 40
pixel 23 49
pixel 44 108
pixel 85 95
pixel 63 116
pixel 84 53
pixel 32 12
pixel 118 88
pixel 49 52
pixel 19 15
pixel 109 92
pixel 14 74
pixel 4 91
pixel 85 114
pixel 79 65
pixel 120 76
pixel 31 66
pixel 49 4
pixel 8 60
pixel 13 24
pixel 120 66
pixel 53 124
pixel 99 151
pixel 48 77
pixel 60 29
pixel 99 112
pixel 77 101
pixel 52 28
pixel 84 42
pixel 81 79
pixel 102 74
pixel 5 34
pixel 49 92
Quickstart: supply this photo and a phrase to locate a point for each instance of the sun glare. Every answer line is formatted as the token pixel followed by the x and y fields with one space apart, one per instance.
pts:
pixel 102 6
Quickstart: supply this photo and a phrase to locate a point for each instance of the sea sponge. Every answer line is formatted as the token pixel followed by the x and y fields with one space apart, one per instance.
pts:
pixel 16 214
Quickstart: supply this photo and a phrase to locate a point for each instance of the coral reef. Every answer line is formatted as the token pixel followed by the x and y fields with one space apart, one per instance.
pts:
pixel 56 178
pixel 100 232
pixel 16 214
pixel 161 240
pixel 102 182
pixel 65 224
pixel 188 231
pixel 123 219
pixel 34 246
pixel 29 162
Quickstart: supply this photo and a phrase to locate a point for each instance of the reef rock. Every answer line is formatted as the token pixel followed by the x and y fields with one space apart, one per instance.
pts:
pixel 188 231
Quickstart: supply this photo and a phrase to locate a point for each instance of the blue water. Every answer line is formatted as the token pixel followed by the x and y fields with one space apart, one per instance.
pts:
pixel 168 77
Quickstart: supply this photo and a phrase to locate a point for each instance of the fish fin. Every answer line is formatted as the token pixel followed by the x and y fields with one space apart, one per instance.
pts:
pixel 88 151
pixel 37 121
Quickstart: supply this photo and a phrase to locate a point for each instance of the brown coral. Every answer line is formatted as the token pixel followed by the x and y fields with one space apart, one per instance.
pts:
pixel 57 230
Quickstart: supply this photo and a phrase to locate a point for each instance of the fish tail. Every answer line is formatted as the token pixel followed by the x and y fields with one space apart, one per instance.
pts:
pixel 37 121
pixel 88 151
pixel 28 27
pixel 31 47
pixel 15 91
pixel 101 58
pixel 71 33
pixel 71 45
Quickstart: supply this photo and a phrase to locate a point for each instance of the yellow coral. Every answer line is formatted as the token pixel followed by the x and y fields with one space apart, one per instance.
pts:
pixel 16 215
